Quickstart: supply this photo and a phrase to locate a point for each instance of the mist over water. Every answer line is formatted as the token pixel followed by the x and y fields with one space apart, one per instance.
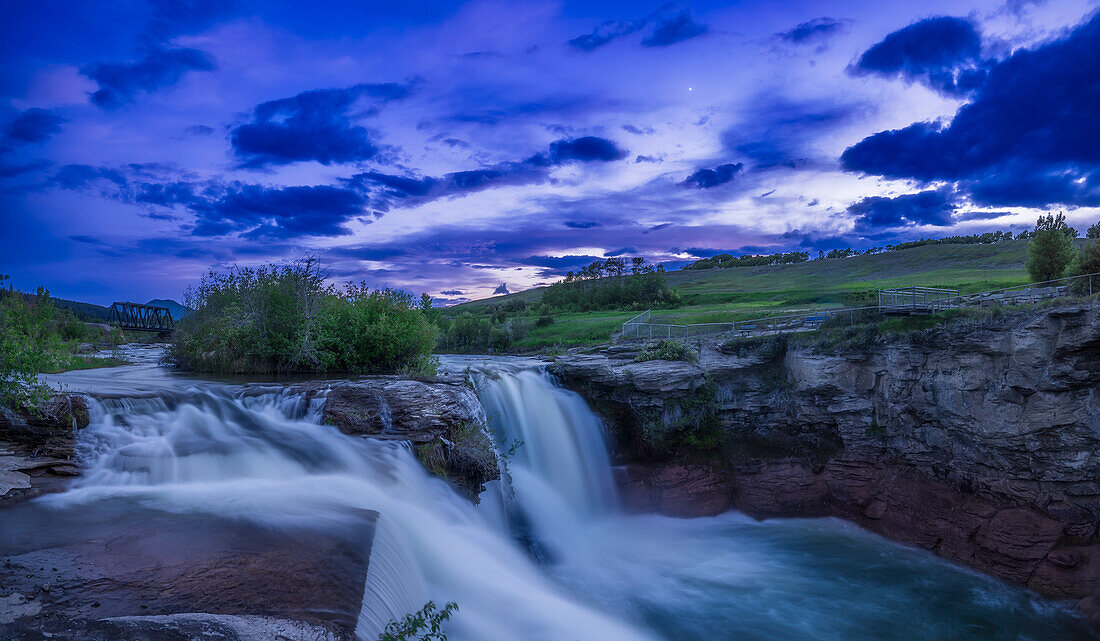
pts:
pixel 549 554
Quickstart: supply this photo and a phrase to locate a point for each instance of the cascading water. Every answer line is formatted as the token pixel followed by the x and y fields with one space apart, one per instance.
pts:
pixel 730 577
pixel 267 459
pixel 605 575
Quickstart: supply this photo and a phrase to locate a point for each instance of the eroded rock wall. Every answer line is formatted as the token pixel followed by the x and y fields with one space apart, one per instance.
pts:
pixel 981 443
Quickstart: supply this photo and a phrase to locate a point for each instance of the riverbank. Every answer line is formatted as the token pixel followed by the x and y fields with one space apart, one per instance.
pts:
pixel 192 492
pixel 979 443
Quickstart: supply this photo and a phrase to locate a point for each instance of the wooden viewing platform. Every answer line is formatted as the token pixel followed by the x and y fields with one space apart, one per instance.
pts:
pixel 917 301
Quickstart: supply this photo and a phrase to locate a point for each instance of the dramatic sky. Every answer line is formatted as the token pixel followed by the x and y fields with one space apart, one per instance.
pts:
pixel 450 147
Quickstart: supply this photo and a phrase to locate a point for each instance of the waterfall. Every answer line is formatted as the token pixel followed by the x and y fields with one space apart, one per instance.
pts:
pixel 266 458
pixel 555 440
pixel 549 554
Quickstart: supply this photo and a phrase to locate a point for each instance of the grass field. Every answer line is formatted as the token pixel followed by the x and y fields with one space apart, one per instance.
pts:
pixel 739 293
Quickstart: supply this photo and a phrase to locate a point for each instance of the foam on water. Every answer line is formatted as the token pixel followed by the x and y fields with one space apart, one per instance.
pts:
pixel 548 554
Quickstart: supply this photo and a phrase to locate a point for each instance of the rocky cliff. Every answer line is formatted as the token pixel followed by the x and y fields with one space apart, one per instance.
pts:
pixel 441 418
pixel 980 442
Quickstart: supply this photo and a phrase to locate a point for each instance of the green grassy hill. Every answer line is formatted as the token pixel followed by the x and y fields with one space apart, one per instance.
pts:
pixel 739 293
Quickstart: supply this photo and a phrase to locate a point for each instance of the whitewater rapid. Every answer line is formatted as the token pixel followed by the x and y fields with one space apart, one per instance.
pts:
pixel 548 554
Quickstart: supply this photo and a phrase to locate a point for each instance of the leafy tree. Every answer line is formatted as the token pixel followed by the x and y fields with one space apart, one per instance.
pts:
pixel 1094 231
pixel 1051 249
pixel 28 345
pixel 424 625
pixel 612 284
pixel 1088 262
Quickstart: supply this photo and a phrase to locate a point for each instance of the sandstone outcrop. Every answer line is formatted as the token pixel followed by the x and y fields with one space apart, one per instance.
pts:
pixel 134 574
pixel 441 418
pixel 36 447
pixel 979 442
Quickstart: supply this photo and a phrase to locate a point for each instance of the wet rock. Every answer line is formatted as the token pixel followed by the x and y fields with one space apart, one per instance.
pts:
pixel 36 447
pixel 442 419
pixel 48 430
pixel 136 574
pixel 675 490
pixel 175 627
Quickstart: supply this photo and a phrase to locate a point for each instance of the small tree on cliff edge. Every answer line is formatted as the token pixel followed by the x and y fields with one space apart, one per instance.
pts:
pixel 1051 248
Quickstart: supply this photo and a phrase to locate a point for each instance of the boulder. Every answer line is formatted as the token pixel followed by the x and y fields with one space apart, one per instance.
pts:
pixel 442 419
pixel 36 447
pixel 122 572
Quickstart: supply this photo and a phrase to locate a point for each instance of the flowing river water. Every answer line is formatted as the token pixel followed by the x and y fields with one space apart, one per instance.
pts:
pixel 548 554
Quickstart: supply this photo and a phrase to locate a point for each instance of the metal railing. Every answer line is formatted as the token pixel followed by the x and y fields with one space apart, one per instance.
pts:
pixel 795 322
pixel 1035 292
pixel 641 327
pixel 917 300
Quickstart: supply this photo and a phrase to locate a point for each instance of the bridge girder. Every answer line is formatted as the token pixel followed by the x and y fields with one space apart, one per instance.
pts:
pixel 135 316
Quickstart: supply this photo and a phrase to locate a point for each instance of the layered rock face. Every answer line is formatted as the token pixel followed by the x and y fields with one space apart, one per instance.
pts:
pixel 441 418
pixel 979 443
pixel 36 448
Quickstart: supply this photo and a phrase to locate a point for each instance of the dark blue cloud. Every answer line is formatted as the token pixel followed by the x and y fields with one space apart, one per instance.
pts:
pixel 1029 137
pixel 707 178
pixel 11 171
pixel 165 194
pixel 668 25
pixel 387 189
pixel 944 53
pixel 248 210
pixel 313 125
pixel 120 82
pixel 620 252
pixel 778 132
pixel 814 30
pixel 605 33
pixel 33 126
pixel 287 212
pixel 82 176
pixel 576 224
pixel 585 149
pixel 931 207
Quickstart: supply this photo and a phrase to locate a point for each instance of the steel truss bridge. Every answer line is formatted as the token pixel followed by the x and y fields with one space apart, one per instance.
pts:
pixel 142 318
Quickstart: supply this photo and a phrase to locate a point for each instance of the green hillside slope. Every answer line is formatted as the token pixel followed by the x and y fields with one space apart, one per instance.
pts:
pixel 739 293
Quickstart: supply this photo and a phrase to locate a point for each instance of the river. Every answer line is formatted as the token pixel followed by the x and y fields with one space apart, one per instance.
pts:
pixel 548 553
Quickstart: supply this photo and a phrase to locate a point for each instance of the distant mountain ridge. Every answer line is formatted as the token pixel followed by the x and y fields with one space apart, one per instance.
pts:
pixel 178 311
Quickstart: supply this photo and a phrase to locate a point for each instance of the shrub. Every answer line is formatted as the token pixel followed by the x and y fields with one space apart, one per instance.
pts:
pixel 374 331
pixel 28 346
pixel 424 625
pixel 282 319
pixel 668 350
pixel 1050 250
